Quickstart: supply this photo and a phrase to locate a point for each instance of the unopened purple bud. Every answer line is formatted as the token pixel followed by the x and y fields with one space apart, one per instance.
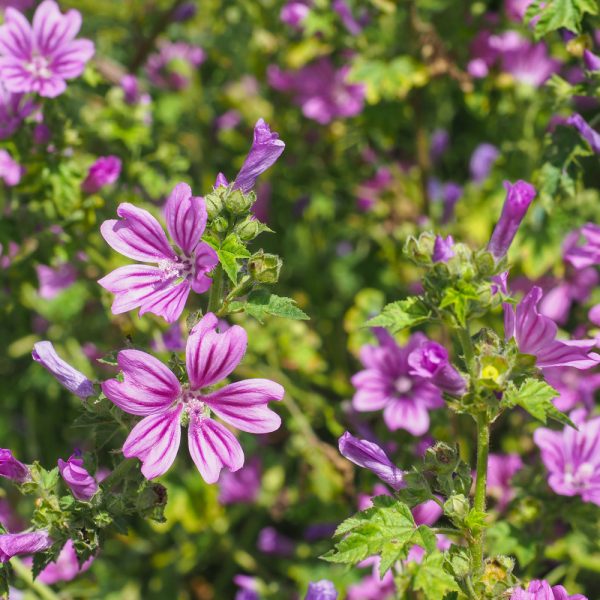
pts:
pixel 270 541
pixel 13 544
pixel 588 133
pixel 11 468
pixel 131 89
pixel 430 361
pixel 184 12
pixel 72 379
pixel 482 161
pixel 80 482
pixel 518 198
pixel 499 283
pixel 220 181
pixel 104 171
pixel 592 62
pixel 321 590
pixel 442 249
pixel 370 456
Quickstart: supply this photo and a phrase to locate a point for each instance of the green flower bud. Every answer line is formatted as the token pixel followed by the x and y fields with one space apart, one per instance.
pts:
pixel 264 268
pixel 248 229
pixel 238 203
pixel 220 224
pixel 214 204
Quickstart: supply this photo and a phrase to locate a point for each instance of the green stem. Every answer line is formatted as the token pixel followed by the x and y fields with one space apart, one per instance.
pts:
pixel 24 574
pixel 216 291
pixel 118 474
pixel 483 447
pixel 467 348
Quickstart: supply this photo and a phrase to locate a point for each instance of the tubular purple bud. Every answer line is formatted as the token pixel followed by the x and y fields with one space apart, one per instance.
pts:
pixel 80 482
pixel 11 468
pixel 430 361
pixel 442 249
pixel 591 61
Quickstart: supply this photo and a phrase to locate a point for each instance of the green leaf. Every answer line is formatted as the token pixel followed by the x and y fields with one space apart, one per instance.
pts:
pixel 229 252
pixel 458 299
pixel 261 303
pixel 401 314
pixel 554 14
pixel 535 396
pixel 387 529
pixel 432 579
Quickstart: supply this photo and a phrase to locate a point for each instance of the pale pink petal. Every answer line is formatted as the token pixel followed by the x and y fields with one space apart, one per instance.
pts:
pixel 167 302
pixel 186 217
pixel 213 447
pixel 408 414
pixel 51 29
pixel 15 35
pixel 69 61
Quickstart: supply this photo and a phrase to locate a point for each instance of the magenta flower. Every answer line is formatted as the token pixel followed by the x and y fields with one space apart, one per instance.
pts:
pixel 70 378
pixel 249 587
pixel 173 65
pixel 587 132
pixel 370 190
pixel 104 171
pixel 75 475
pixel 151 390
pixel 10 170
pixel 591 61
pixel 588 254
pixel 535 334
pixel 321 590
pixel 293 13
pixel 13 544
pixel 529 63
pixel 52 281
pixel 387 383
pixel 66 567
pixel 162 289
pixel 482 160
pixel 21 5
pixel 11 468
pixel 321 90
pixel 518 198
pixel 442 249
pixel 515 9
pixel 270 541
pixel 574 387
pixel 40 57
pixel 430 361
pixel 371 456
pixel 540 590
pixel 242 486
pixel 345 13
pixel 572 457
pixel 13 109
pixel 501 469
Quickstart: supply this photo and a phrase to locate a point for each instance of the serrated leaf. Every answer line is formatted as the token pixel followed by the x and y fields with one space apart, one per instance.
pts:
pixel 535 396
pixel 555 14
pixel 229 252
pixel 401 314
pixel 261 303
pixel 432 579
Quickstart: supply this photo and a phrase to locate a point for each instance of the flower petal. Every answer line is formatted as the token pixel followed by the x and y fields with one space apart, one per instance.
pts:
pixel 51 29
pixel 69 61
pixel 186 217
pixel 15 35
pixel 408 414
pixel 206 260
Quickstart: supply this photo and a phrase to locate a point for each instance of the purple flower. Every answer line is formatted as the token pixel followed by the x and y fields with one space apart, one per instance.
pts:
pixel 294 12
pixel 501 469
pixel 572 457
pixel 10 170
pixel 40 57
pixel 518 198
pixel 321 590
pixel 266 149
pixel 426 513
pixel 248 587
pixel 172 66
pixel 11 468
pixel 372 587
pixel 53 281
pixel 387 384
pixel 66 567
pixel 321 90
pixel 270 541
pixel 430 361
pixel 529 63
pixel 515 9
pixel 242 486
pixel 13 544
pixel 442 249
pixel 21 5
pixel 574 387
pixel 70 378
pixel 590 135
pixel 591 60
pixel 370 190
pixel 80 482
pixel 228 120
pixel 13 109
pixel 184 12
pixel 346 16
pixel 151 390
pixel 162 289
pixel 370 456
pixel 535 334
pixel 589 254
pixel 104 171
pixel 540 590
pixel 482 161
pixel 440 140
pixel 169 341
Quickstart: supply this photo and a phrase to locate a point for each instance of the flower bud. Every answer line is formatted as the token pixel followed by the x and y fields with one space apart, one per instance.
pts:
pixel 220 224
pixel 214 204
pixel 11 468
pixel 80 482
pixel 248 229
pixel 238 203
pixel 442 249
pixel 264 268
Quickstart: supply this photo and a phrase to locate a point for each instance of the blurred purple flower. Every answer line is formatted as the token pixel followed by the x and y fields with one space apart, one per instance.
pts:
pixel 321 590
pixel 66 567
pixel 11 468
pixel 540 590
pixel 482 161
pixel 270 541
pixel 248 587
pixel 21 5
pixel 162 289
pixel 345 13
pixel 572 457
pixel 530 63
pixel 387 384
pixel 574 387
pixel 369 191
pixel 294 12
pixel 371 456
pixel 591 61
pixel 228 120
pixel 515 9
pixel 42 134
pixel 10 170
pixel 14 544
pixel 439 142
pixel 518 198
pixel 535 334
pixel 80 482
pixel 104 171
pixel 52 281
pixel 173 65
pixel 70 378
pixel 589 134
pixel 7 254
pixel 321 90
pixel 13 109
pixel 442 249
pixel 589 254
pixel 170 340
pixel 184 12
pixel 501 469
pixel 40 57
pixel 242 486
pixel 210 357
pixel 430 361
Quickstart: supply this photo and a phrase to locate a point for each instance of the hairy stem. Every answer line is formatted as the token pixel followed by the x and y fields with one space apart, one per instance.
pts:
pixel 483 447
pixel 216 291
pixel 24 574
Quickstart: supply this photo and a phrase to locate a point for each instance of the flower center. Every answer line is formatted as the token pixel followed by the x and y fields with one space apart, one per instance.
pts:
pixel 178 268
pixel 403 384
pixel 193 405
pixel 39 67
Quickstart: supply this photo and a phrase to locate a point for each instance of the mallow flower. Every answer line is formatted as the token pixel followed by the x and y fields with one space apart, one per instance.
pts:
pixel 76 476
pixel 518 198
pixel 535 334
pixel 387 383
pixel 10 170
pixel 430 361
pixel 501 469
pixel 38 58
pixel 53 280
pixel 149 389
pixel 442 249
pixel 104 171
pixel 572 457
pixel 587 132
pixel 321 590
pixel 162 289
pixel 69 377
pixel 66 567
pixel 13 109
pixel 242 486
pixel 11 468
pixel 540 589
pixel 13 544
pixel 587 254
